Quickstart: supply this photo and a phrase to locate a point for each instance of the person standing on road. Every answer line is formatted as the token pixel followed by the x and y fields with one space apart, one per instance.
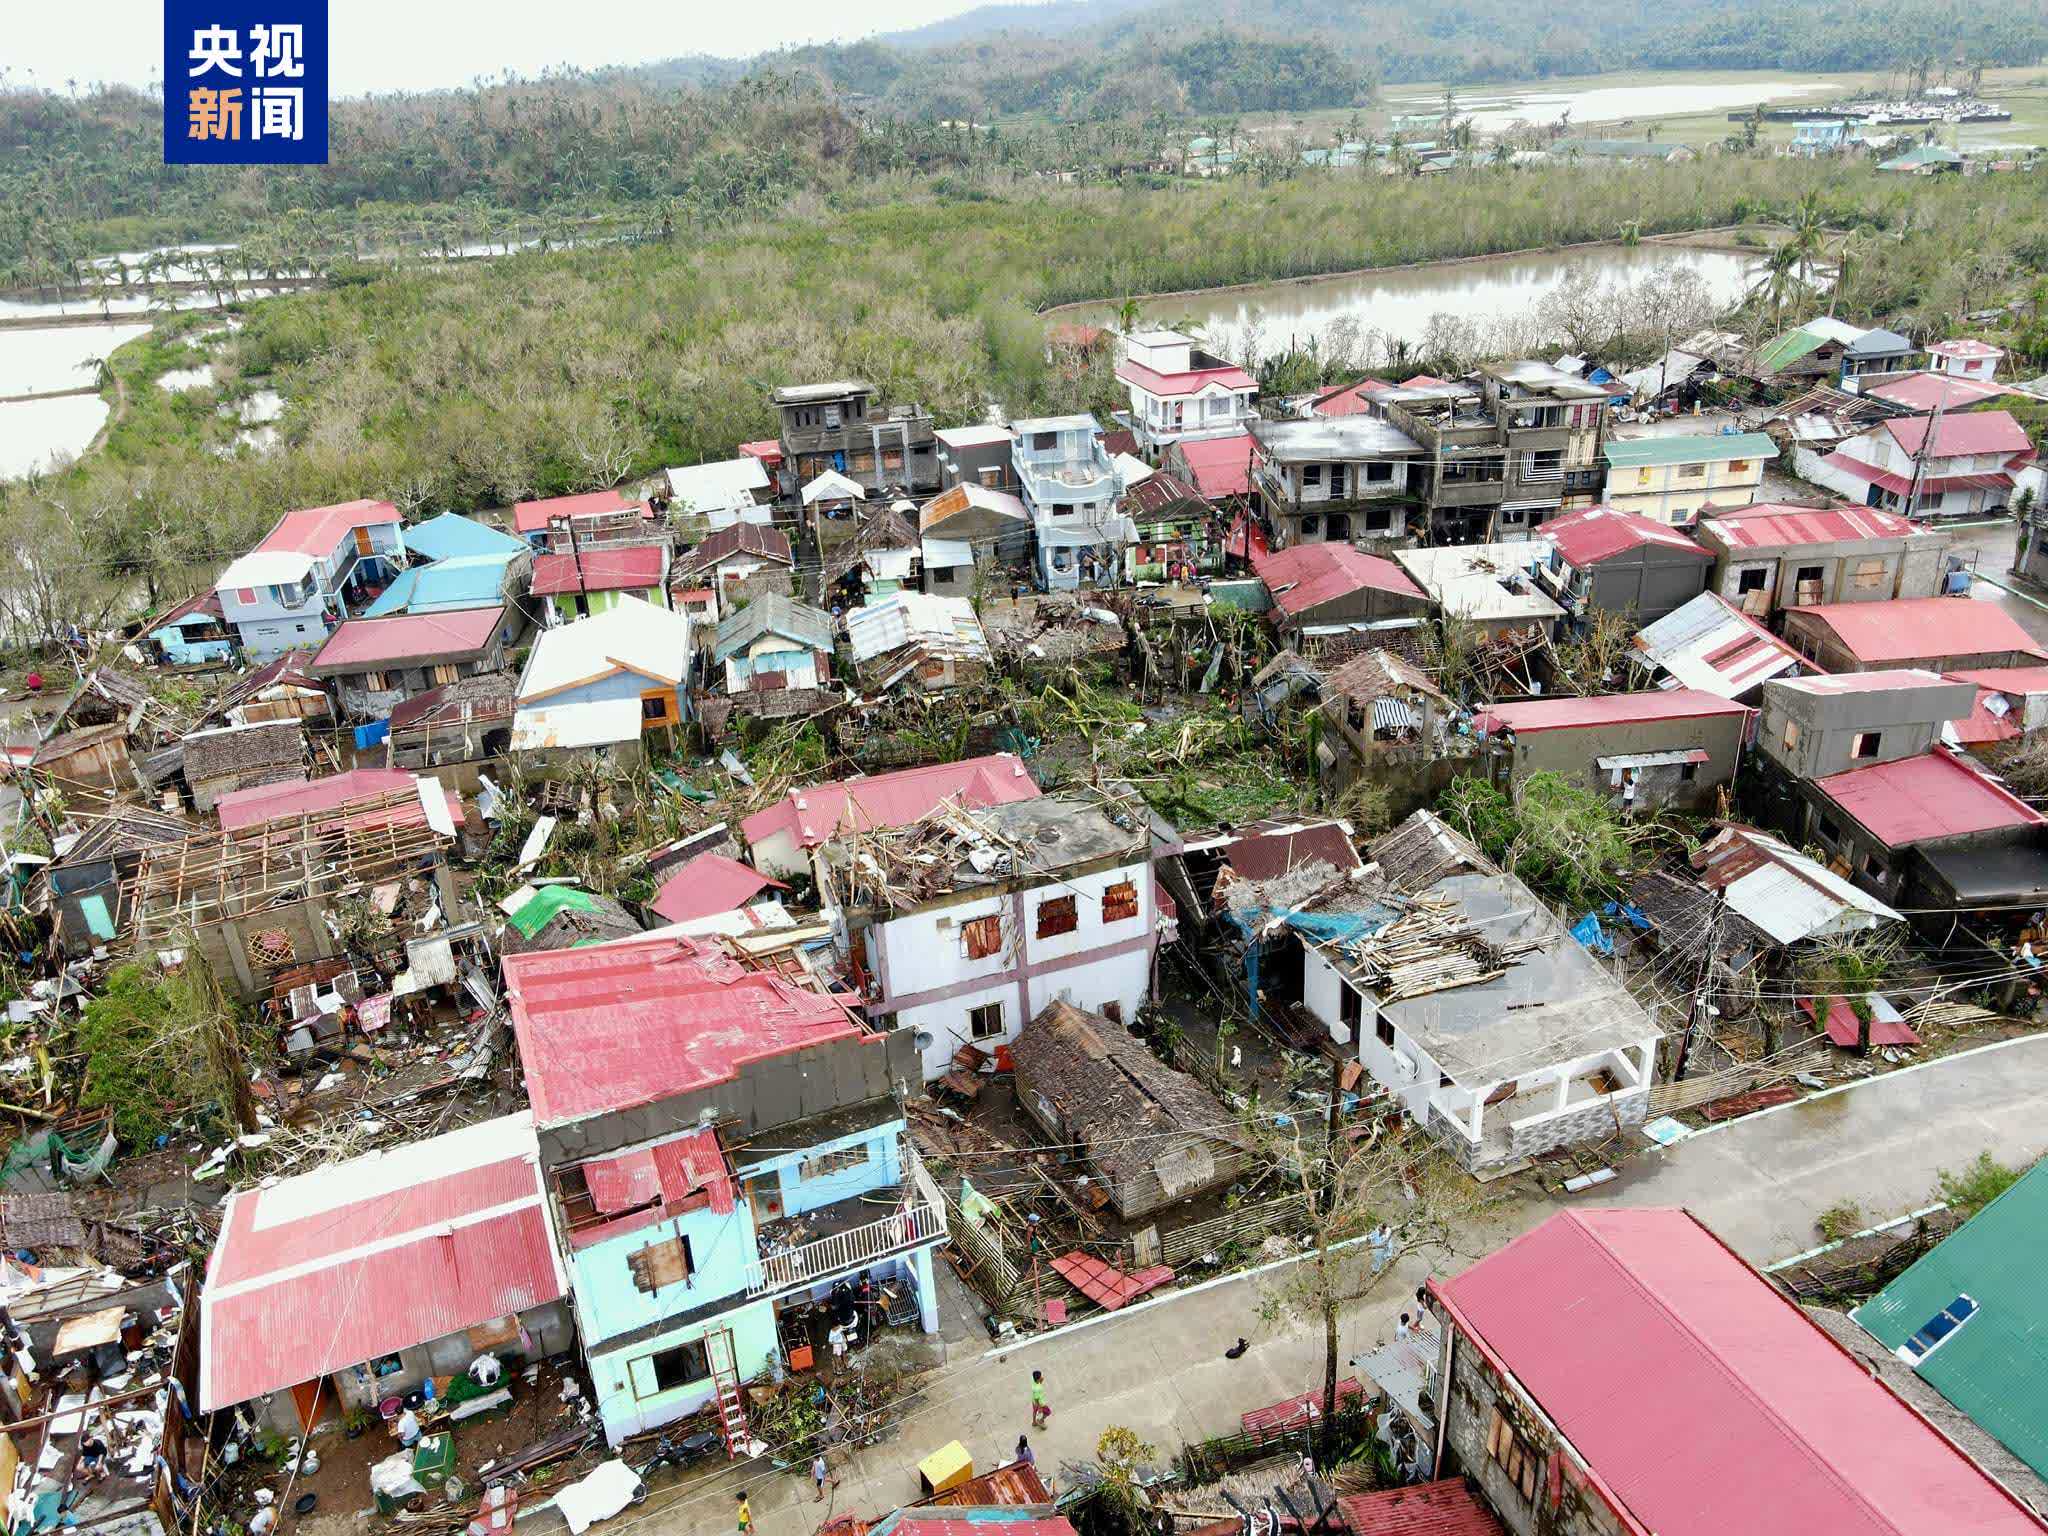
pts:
pixel 1024 1452
pixel 818 1475
pixel 1039 1412
pixel 746 1515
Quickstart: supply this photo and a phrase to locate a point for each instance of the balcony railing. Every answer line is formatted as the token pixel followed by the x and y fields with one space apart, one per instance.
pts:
pixel 920 1218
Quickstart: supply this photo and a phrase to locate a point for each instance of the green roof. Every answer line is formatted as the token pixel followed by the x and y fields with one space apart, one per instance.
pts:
pixel 1787 350
pixel 548 903
pixel 1995 1366
pixel 1706 448
pixel 1925 154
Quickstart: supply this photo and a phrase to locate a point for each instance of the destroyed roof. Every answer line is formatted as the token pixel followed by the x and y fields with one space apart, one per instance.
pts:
pixel 357 1260
pixel 1483 582
pixel 563 917
pixel 968 497
pixel 1423 850
pixel 632 635
pixel 752 540
pixel 39 1222
pixel 105 696
pixel 1769 524
pixel 940 626
pixel 1926 392
pixel 1993 1363
pixel 299 797
pixel 1600 533
pixel 122 830
pixel 630 1023
pixel 1130 1112
pixel 1915 628
pixel 1267 850
pixel 231 749
pixel 707 885
pixel 1321 438
pixel 286 671
pixel 1376 673
pixel 885 536
pixel 485 694
pixel 1161 494
pixel 613 568
pixel 1305 576
pixel 774 613
pixel 1939 794
pixel 451 535
pixel 1741 1380
pixel 1708 644
pixel 203 605
pixel 820 812
pixel 1781 891
pixel 366 645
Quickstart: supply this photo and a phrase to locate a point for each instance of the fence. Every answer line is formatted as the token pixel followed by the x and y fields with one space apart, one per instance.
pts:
pixel 989 1270
pixel 1246 1224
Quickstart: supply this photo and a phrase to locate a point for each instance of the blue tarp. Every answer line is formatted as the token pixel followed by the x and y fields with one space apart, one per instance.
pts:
pixel 1587 931
pixel 1318 927
pixel 371 735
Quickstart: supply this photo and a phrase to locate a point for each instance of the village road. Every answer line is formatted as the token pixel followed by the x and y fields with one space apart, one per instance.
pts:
pixel 1160 1370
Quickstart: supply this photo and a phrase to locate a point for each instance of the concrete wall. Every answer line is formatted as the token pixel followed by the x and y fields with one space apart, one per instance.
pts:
pixel 1908 722
pixel 1812 638
pixel 1650 583
pixel 1593 1121
pixel 1664 493
pixel 627 1400
pixel 609 1304
pixel 797 1193
pixel 1574 755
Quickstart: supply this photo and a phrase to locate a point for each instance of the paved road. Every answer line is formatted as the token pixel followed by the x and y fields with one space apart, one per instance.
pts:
pixel 1160 1369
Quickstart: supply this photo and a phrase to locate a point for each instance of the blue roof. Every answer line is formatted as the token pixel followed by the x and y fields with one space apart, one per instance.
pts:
pixel 467 581
pixel 452 534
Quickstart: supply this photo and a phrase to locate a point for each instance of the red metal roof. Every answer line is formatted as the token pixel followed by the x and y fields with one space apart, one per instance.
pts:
pixel 1964 432
pixel 1611 709
pixel 964 1522
pixel 1302 1408
pixel 533 516
pixel 1446 1508
pixel 359 1259
pixel 1912 628
pixel 300 797
pixel 897 799
pixel 647 1184
pixel 1984 725
pixel 315 531
pixel 1965 346
pixel 1925 391
pixel 1702 1400
pixel 707 885
pixel 1305 576
pixel 1104 1283
pixel 364 643
pixel 1841 1025
pixel 1773 523
pixel 1902 485
pixel 614 1026
pixel 1887 681
pixel 768 450
pixel 1193 381
pixel 207 603
pixel 1269 849
pixel 1350 400
pixel 1597 533
pixel 1221 466
pixel 1937 794
pixel 2019 680
pixel 630 568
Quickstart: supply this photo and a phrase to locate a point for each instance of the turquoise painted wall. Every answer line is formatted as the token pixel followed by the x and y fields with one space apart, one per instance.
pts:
pixel 619 1401
pixel 883 1167
pixel 608 1303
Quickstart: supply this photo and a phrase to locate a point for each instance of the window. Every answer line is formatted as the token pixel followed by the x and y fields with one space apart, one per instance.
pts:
pixel 1056 914
pixel 1738 466
pixel 659 1264
pixel 443 672
pixel 985 1022
pixel 828 1163
pixel 1808 575
pixel 1692 471
pixel 246 596
pixel 1383 1030
pixel 984 935
pixel 1379 520
pixel 1791 734
pixel 1062 508
pixel 1643 478
pixel 1865 743
pixel 1870 575
pixel 1751 580
pixel 1336 480
pixel 1350 1008
pixel 374 681
pixel 1311 474
pixel 1378 473
pixel 654 708
pixel 1873 866
pixel 1119 901
pixel 1829 832
pixel 1513 1455
pixel 1688 772
pixel 1044 442
pixel 654 1374
pixel 1312 526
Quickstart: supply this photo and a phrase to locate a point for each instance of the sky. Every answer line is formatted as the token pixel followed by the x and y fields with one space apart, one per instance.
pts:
pixel 413 45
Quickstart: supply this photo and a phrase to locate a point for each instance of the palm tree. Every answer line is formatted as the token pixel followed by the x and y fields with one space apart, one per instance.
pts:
pixel 1777 280
pixel 1808 237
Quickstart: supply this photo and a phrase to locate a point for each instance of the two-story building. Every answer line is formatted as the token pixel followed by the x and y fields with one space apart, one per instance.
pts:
pixel 1812 727
pixel 373 665
pixel 1950 464
pixel 976 455
pixel 1070 484
pixel 1964 357
pixel 318 566
pixel 603 682
pixel 1775 556
pixel 573 584
pixel 1341 479
pixel 1603 560
pixel 1662 747
pixel 840 427
pixel 726 1168
pixel 1672 478
pixel 1179 391
pixel 965 924
pixel 590 517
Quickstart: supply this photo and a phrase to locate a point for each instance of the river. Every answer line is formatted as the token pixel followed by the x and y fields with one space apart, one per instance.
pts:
pixel 1397 302
pixel 1494 111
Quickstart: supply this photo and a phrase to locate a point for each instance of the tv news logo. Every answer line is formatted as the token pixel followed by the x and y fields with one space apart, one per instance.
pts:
pixel 245 82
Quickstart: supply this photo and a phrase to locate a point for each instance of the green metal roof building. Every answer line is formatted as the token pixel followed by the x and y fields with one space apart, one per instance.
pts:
pixel 1971 1318
pixel 1700 448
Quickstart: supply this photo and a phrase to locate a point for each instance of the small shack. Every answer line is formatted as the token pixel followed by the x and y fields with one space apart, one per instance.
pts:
pixel 233 757
pixel 1153 1134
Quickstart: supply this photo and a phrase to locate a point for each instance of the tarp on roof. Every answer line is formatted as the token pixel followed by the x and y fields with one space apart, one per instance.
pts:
pixel 546 903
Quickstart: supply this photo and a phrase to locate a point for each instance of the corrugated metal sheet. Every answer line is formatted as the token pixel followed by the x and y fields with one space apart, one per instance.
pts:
pixel 896 799
pixel 1708 645
pixel 1446 1508
pixel 1705 1400
pixel 1913 628
pixel 1781 891
pixel 1599 533
pixel 1395 715
pixel 1918 799
pixel 1774 524
pixel 1612 709
pixel 1305 576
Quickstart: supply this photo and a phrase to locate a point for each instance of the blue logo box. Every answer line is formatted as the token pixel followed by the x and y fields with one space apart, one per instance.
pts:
pixel 245 82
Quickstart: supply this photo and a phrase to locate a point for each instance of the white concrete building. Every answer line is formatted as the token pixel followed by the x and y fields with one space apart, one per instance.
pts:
pixel 1003 911
pixel 1965 358
pixel 1179 392
pixel 1953 464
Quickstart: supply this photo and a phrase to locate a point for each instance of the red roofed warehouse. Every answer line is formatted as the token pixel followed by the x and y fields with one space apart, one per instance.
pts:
pixel 780 837
pixel 1621 1371
pixel 1324 590
pixel 1936 634
pixel 1674 747
pixel 377 664
pixel 1620 562
pixel 1773 555
pixel 1180 392
pixel 1959 466
pixel 1933 832
pixel 332 1290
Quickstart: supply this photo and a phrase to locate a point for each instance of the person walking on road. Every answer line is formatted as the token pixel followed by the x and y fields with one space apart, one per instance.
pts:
pixel 1039 1412
pixel 746 1515
pixel 818 1475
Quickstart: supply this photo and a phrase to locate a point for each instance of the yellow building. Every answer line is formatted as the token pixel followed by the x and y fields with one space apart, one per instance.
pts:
pixel 1672 479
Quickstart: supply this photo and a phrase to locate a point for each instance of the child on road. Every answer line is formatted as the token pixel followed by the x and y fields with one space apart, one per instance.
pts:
pixel 1039 1412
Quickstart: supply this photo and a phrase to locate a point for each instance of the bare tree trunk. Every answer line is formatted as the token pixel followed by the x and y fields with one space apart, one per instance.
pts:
pixel 1328 1437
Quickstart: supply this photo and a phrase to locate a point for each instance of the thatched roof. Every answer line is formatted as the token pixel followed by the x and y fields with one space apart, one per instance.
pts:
pixel 1122 1103
pixel 268 747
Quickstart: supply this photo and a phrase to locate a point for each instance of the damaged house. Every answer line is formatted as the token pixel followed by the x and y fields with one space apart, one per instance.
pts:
pixel 377 664
pixel 1325 594
pixel 934 642
pixel 1775 556
pixel 772 658
pixel 235 757
pixel 1606 561
pixel 1386 721
pixel 1151 1135
pixel 782 838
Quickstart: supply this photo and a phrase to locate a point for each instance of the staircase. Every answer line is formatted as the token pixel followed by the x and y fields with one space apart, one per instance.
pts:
pixel 725 1389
